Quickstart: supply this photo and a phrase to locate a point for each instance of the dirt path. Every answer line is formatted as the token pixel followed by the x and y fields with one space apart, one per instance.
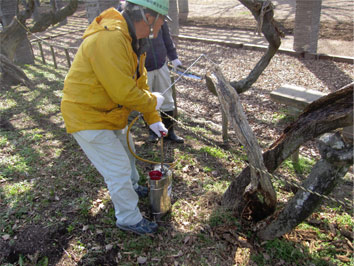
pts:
pixel 336 16
pixel 332 10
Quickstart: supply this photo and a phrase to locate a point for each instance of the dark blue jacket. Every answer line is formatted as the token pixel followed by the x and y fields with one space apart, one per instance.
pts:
pixel 160 47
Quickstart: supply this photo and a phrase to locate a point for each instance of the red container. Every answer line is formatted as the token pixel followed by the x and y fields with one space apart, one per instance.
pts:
pixel 155 175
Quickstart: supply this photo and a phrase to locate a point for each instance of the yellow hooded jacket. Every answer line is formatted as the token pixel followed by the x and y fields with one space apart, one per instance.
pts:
pixel 102 87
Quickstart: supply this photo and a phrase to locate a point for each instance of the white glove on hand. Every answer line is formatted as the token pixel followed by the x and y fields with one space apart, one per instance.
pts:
pixel 176 63
pixel 158 127
pixel 159 99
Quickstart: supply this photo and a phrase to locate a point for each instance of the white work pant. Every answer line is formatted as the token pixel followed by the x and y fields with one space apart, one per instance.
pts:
pixel 109 153
pixel 159 80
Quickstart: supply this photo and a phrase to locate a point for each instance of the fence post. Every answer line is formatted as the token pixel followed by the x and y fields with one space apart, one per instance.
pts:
pixel 41 50
pixel 53 55
pixel 67 57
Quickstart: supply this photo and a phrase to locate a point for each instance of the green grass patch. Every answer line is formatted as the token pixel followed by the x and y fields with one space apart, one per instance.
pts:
pixel 215 152
pixel 304 165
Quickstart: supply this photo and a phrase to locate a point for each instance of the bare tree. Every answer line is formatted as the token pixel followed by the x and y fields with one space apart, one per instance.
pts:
pixel 263 12
pixel 258 190
pixel 251 191
pixel 324 115
pixel 17 31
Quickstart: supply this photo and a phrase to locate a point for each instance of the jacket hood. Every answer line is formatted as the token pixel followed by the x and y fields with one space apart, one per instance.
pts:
pixel 109 19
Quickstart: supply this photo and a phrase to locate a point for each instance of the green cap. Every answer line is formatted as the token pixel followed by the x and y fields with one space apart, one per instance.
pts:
pixel 159 6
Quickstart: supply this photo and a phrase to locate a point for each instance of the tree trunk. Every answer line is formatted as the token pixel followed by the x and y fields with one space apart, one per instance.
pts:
pixel 327 113
pixel 13 35
pixel 259 192
pixel 337 157
pixel 183 10
pixel 8 10
pixel 271 33
pixel 23 53
pixel 12 74
pixel 56 6
pixel 37 10
pixel 307 25
pixel 173 13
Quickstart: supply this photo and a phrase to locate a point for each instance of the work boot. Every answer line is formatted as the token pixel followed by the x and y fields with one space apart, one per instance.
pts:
pixel 141 228
pixel 168 122
pixel 153 138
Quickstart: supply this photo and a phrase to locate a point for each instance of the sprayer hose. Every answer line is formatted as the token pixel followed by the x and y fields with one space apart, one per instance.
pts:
pixel 133 153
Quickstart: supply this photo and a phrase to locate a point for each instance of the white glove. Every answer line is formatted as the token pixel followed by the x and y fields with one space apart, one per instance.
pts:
pixel 176 63
pixel 159 99
pixel 159 127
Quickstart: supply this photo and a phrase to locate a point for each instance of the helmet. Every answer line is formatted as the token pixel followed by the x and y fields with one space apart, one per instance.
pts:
pixel 159 6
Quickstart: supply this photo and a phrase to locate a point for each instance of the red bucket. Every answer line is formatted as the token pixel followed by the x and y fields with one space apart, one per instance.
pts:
pixel 155 175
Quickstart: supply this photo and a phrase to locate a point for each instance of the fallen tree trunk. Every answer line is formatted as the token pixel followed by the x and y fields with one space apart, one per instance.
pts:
pixel 328 113
pixel 337 157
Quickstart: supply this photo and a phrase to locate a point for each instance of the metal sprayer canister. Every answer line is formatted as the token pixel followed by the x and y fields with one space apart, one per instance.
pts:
pixel 160 191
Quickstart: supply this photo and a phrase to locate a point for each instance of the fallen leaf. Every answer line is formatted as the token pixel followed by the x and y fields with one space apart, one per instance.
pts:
pixel 119 256
pixel 141 260
pixel 179 254
pixel 343 258
pixel 109 247
pixel 85 227
pixel 6 237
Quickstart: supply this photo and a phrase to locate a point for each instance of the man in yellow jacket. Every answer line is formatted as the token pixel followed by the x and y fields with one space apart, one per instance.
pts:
pixel 107 80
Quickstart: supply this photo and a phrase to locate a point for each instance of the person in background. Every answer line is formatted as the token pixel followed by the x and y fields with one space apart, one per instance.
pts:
pixel 159 78
pixel 107 80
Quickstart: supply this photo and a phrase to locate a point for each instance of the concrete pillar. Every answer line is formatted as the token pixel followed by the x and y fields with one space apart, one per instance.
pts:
pixel 173 13
pixel 307 25
pixel 95 7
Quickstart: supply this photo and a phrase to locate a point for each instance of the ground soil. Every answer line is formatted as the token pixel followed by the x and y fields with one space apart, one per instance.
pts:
pixel 196 103
pixel 336 16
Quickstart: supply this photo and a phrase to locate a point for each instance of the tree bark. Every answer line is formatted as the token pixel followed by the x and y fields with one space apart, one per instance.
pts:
pixel 12 35
pixel 327 113
pixel 12 74
pixel 8 9
pixel 337 157
pixel 259 191
pixel 15 33
pixel 263 13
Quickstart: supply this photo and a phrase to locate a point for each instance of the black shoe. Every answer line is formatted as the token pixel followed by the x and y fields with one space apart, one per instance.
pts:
pixel 173 137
